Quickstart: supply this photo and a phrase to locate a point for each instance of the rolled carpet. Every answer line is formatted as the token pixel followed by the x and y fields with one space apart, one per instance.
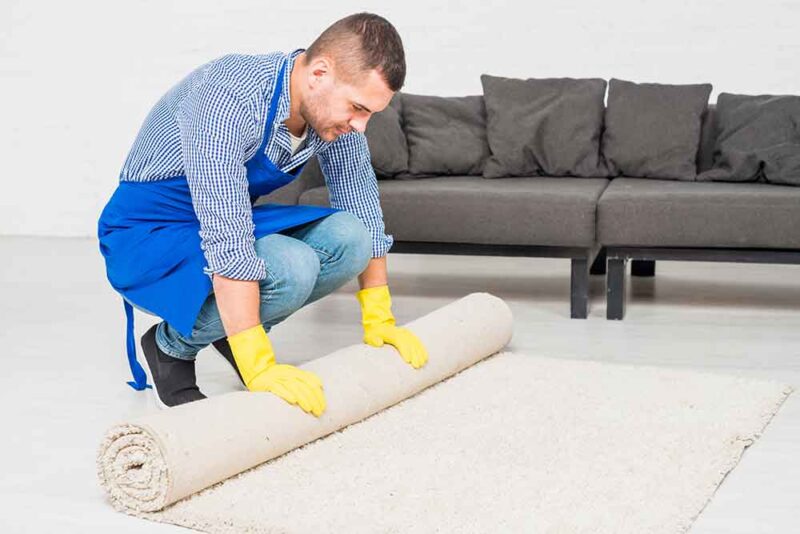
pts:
pixel 150 462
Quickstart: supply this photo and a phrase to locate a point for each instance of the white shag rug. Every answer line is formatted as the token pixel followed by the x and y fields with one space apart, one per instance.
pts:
pixel 515 443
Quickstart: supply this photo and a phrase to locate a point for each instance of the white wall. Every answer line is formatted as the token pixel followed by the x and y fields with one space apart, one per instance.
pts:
pixel 77 78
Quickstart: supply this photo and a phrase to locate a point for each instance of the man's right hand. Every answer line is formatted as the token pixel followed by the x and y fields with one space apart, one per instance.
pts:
pixel 255 359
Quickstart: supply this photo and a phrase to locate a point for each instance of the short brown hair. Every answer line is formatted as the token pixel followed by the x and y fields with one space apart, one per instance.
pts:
pixel 362 42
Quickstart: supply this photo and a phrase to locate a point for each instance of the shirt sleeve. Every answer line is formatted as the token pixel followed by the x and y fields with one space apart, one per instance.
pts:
pixel 353 186
pixel 214 128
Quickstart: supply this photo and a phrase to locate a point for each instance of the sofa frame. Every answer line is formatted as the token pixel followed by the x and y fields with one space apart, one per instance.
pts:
pixel 584 260
pixel 643 263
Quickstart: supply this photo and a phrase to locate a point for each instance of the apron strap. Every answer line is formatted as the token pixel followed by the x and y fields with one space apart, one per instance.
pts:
pixel 273 108
pixel 139 377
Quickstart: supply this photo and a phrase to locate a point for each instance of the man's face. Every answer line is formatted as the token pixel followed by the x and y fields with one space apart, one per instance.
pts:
pixel 334 107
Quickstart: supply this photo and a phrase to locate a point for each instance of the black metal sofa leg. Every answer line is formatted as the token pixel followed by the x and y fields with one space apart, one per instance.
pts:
pixel 579 288
pixel 599 264
pixel 643 268
pixel 615 289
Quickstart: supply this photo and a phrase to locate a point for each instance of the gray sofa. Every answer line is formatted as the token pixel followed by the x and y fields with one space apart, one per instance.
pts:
pixel 595 221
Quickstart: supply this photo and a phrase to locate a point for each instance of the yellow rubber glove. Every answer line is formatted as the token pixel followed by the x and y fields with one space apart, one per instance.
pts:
pixel 379 326
pixel 255 359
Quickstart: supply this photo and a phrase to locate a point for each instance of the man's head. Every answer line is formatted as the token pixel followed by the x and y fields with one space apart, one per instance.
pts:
pixel 349 72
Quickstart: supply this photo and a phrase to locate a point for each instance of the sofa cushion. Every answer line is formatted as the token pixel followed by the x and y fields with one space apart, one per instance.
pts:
pixel 546 126
pixel 757 137
pixel 708 132
pixel 311 176
pixel 387 141
pixel 653 130
pixel 468 209
pixel 446 135
pixel 664 213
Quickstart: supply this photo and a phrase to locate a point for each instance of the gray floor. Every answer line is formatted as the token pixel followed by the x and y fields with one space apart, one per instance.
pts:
pixel 63 385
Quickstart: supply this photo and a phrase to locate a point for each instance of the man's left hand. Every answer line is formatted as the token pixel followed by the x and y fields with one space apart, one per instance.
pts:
pixel 379 326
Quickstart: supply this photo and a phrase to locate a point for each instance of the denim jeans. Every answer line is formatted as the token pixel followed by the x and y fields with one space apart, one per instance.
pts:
pixel 303 265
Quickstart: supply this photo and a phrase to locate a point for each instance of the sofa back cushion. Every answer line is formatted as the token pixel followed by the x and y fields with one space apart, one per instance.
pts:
pixel 708 132
pixel 757 139
pixel 653 130
pixel 446 135
pixel 387 141
pixel 544 126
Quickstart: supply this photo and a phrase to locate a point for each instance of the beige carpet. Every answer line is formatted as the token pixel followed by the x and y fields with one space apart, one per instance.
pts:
pixel 515 443
pixel 475 441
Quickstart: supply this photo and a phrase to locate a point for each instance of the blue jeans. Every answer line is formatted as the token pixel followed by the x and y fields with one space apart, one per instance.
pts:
pixel 303 264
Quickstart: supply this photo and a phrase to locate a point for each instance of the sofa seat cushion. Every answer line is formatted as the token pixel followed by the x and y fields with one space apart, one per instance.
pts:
pixel 469 209
pixel 664 213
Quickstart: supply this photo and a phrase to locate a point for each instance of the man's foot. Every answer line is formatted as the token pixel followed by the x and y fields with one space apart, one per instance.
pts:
pixel 174 380
pixel 224 349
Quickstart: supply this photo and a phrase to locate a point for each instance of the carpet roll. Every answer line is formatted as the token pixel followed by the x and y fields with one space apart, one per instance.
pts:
pixel 155 460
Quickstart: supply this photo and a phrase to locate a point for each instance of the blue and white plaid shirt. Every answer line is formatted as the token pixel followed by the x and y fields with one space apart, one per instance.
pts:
pixel 210 123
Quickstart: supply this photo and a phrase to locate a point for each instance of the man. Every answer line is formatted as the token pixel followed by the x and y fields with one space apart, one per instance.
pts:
pixel 183 241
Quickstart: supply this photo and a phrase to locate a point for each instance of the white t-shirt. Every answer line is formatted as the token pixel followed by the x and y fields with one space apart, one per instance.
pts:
pixel 297 141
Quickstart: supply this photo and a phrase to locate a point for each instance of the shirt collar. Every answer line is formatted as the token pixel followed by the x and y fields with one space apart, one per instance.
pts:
pixel 284 100
pixel 284 107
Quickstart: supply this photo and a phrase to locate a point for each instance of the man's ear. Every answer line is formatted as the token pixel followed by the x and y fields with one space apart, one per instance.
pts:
pixel 319 69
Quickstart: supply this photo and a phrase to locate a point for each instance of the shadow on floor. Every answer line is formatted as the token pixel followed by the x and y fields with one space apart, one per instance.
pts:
pixel 681 291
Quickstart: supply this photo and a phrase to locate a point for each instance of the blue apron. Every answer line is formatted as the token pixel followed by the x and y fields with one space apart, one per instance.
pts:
pixel 149 237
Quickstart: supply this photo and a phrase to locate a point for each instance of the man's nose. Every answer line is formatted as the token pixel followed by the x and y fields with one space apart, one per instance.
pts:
pixel 359 124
